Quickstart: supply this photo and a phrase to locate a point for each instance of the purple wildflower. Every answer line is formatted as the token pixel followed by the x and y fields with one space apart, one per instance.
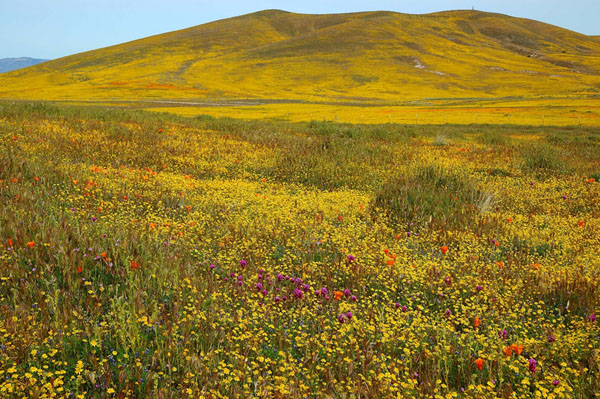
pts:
pixel 532 365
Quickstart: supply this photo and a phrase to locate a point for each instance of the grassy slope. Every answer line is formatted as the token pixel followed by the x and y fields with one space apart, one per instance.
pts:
pixel 372 56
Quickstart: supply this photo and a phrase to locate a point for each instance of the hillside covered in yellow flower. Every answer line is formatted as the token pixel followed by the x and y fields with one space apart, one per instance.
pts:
pixel 358 58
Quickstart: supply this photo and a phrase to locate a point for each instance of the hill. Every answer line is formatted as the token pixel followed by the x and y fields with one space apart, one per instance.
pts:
pixel 11 64
pixel 378 57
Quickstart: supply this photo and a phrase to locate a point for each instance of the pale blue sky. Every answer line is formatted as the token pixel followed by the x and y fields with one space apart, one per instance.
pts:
pixel 56 28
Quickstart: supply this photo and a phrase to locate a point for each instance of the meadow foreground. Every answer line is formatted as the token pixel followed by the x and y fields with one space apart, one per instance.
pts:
pixel 149 255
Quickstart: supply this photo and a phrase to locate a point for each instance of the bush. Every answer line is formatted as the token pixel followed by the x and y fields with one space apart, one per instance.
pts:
pixel 429 195
pixel 543 159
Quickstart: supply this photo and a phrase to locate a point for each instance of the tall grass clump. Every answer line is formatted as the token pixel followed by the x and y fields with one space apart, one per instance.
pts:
pixel 543 159
pixel 493 137
pixel 428 195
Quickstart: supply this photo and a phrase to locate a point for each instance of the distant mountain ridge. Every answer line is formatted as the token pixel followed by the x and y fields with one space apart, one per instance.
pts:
pixel 376 57
pixel 11 64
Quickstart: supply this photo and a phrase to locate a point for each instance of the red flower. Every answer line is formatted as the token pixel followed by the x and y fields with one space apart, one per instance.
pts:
pixel 479 363
pixel 444 249
pixel 79 269
pixel 31 244
pixel 134 265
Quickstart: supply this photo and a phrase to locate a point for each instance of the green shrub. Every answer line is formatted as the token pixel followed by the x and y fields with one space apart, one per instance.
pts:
pixel 543 159
pixel 429 195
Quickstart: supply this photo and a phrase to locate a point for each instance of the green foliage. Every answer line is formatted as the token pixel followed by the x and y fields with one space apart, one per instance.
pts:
pixel 543 159
pixel 427 194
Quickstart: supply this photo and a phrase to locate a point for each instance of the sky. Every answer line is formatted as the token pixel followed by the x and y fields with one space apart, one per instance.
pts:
pixel 55 28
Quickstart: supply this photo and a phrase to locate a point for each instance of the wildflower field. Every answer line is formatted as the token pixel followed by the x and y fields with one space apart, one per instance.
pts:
pixel 150 255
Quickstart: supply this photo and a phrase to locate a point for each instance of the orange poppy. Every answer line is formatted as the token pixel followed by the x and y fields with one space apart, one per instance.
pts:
pixel 134 265
pixel 390 262
pixel 31 244
pixel 444 249
pixel 507 350
pixel 10 242
pixel 500 264
pixel 479 363
pixel 476 322
pixel 79 269
pixel 338 295
pixel 518 349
